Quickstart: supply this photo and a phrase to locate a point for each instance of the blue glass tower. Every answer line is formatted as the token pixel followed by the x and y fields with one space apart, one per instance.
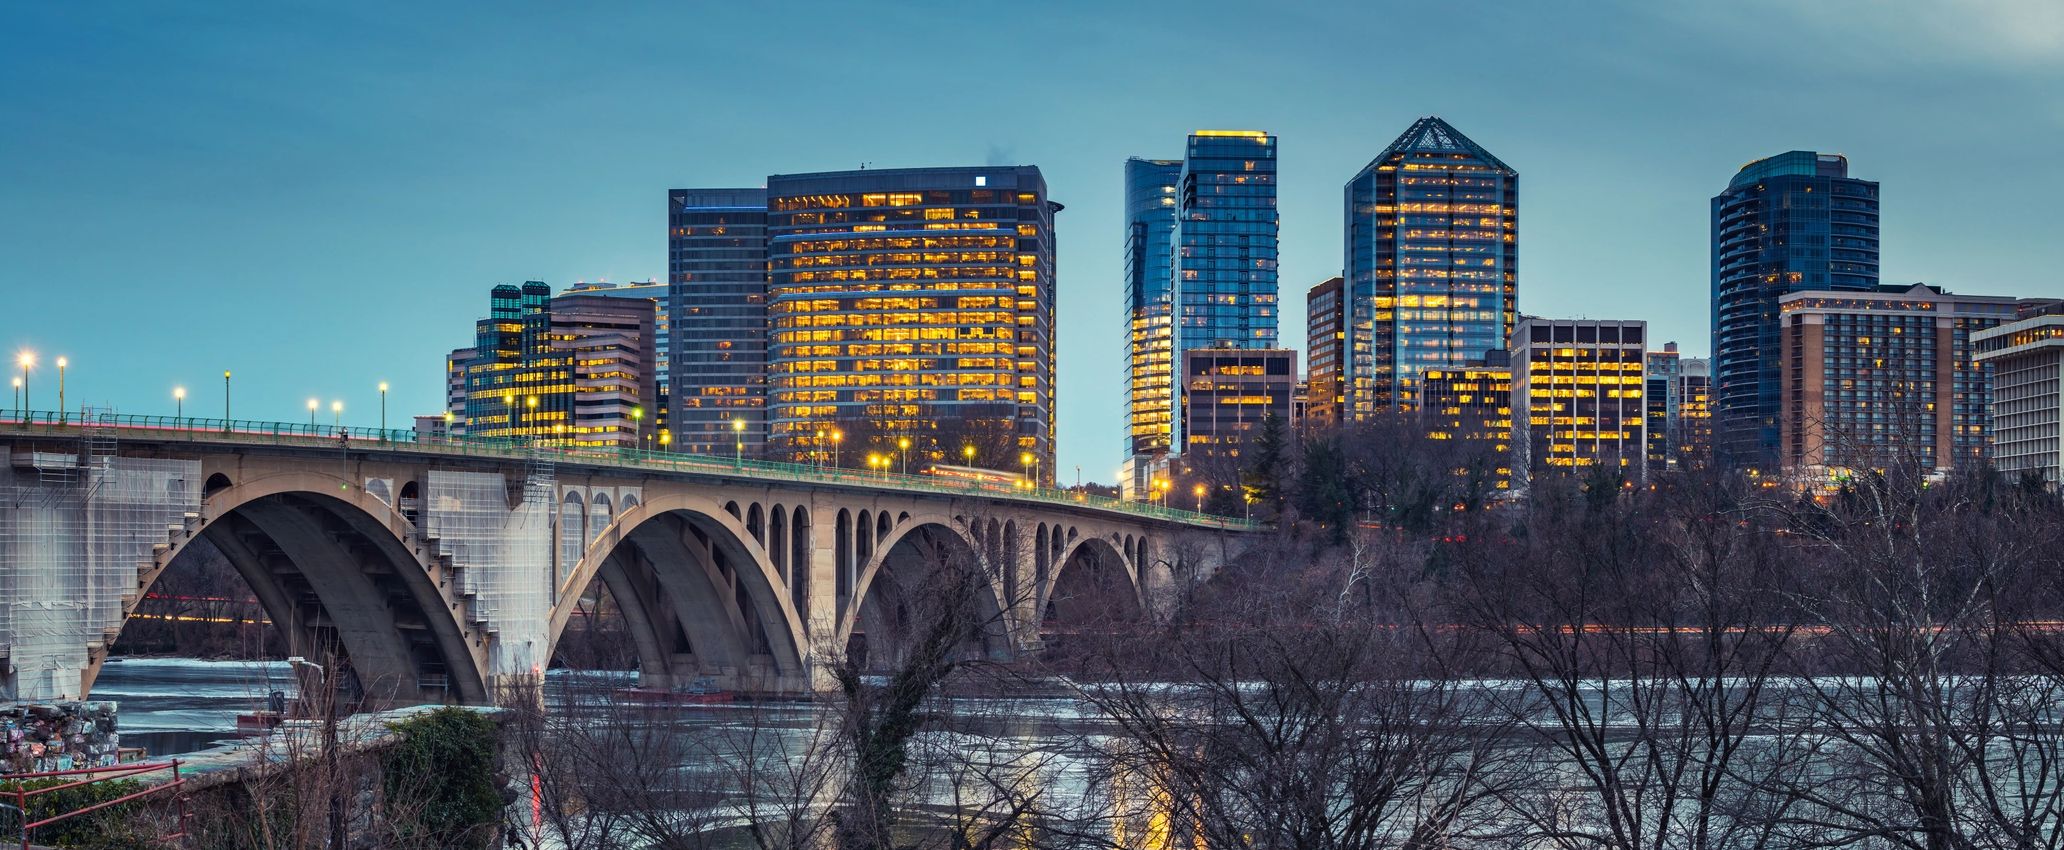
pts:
pixel 717 309
pixel 1150 206
pixel 1224 244
pixel 1794 222
pixel 1432 264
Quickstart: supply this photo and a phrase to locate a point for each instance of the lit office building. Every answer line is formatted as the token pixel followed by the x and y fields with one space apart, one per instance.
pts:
pixel 716 312
pixel 654 292
pixel 1150 207
pixel 1692 444
pixel 1229 392
pixel 1795 222
pixel 2026 358
pixel 1470 407
pixel 1325 338
pixel 1664 399
pixel 1432 263
pixel 1866 374
pixel 1577 395
pixel 571 371
pixel 912 304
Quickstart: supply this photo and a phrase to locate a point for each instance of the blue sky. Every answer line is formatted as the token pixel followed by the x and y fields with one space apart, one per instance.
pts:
pixel 319 195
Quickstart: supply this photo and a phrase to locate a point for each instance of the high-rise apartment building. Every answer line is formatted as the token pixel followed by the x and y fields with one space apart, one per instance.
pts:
pixel 1865 374
pixel 1470 408
pixel 1692 443
pixel 1577 395
pixel 1325 340
pixel 1229 392
pixel 1432 263
pixel 576 370
pixel 1664 397
pixel 911 304
pixel 716 313
pixel 1795 222
pixel 2026 357
pixel 1150 208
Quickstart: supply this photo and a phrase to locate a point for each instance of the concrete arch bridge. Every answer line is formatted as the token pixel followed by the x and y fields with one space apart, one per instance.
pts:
pixel 442 568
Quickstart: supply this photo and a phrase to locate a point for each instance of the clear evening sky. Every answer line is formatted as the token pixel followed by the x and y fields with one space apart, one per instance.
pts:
pixel 319 195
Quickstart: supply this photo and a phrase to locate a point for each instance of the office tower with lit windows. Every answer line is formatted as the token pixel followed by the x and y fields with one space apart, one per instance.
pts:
pixel 1150 207
pixel 912 304
pixel 1664 401
pixel 1229 392
pixel 1224 241
pixel 1868 376
pixel 655 292
pixel 1577 396
pixel 1795 222
pixel 716 310
pixel 1469 408
pixel 1693 442
pixel 576 370
pixel 2026 359
pixel 1431 263
pixel 1325 339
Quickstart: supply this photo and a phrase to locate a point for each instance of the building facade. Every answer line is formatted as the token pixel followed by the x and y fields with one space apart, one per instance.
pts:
pixel 656 293
pixel 455 368
pixel 2026 359
pixel 1223 247
pixel 1469 408
pixel 1229 392
pixel 1664 399
pixel 1577 396
pixel 911 304
pixel 1795 222
pixel 1150 208
pixel 1325 340
pixel 1868 374
pixel 716 313
pixel 1692 443
pixel 1431 265
pixel 575 370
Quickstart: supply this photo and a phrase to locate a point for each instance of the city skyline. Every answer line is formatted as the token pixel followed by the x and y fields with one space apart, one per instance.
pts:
pixel 226 238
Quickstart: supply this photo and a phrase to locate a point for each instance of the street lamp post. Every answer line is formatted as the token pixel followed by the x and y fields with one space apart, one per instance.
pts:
pixel 27 362
pixel 383 410
pixel 337 414
pixel 225 401
pixel 819 454
pixel 530 405
pixel 313 406
pixel 738 441
pixel 1199 490
pixel 179 405
pixel 837 436
pixel 903 454
pixel 1025 460
pixel 61 414
pixel 968 452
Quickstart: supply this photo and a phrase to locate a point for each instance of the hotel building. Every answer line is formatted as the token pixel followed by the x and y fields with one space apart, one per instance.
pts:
pixel 2026 358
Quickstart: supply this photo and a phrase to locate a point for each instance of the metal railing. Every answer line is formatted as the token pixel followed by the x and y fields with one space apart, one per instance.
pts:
pixel 294 434
pixel 21 794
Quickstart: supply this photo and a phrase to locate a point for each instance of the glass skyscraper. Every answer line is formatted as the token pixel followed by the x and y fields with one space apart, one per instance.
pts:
pixel 912 305
pixel 1223 245
pixel 1795 222
pixel 1432 263
pixel 1150 207
pixel 716 306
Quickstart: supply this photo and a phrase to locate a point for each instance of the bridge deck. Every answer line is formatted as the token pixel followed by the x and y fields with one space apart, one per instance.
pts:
pixel 289 435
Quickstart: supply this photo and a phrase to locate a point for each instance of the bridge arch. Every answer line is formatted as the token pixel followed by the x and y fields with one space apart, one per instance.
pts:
pixel 888 582
pixel 337 568
pixel 1093 587
pixel 697 573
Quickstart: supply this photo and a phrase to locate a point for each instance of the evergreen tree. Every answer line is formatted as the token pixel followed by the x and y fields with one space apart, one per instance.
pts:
pixel 1268 466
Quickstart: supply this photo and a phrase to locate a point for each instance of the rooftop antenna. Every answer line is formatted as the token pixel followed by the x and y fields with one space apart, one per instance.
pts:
pixel 863 166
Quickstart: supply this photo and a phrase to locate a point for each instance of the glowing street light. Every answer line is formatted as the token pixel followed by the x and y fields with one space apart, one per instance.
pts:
pixel 1025 460
pixel 837 436
pixel 737 441
pixel 1199 490
pixel 903 453
pixel 225 401
pixel 61 364
pixel 383 410
pixel 968 452
pixel 336 414
pixel 27 361
pixel 313 406
pixel 179 405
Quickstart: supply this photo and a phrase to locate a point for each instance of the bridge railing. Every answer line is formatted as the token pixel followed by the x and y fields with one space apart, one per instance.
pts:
pixel 244 431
